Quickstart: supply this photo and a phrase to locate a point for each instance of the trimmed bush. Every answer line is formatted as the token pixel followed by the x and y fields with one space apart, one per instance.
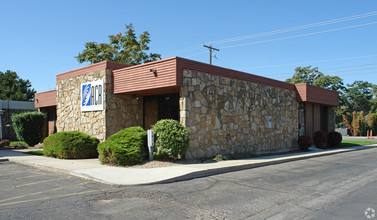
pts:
pixel 304 142
pixel 171 139
pixel 320 138
pixel 123 148
pixel 28 126
pixel 70 145
pixel 334 139
pixel 4 143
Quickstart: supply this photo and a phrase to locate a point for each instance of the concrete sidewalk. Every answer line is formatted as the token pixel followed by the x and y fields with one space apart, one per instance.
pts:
pixel 93 170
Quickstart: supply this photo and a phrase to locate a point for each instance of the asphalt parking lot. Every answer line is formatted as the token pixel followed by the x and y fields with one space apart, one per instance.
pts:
pixel 338 186
pixel 26 191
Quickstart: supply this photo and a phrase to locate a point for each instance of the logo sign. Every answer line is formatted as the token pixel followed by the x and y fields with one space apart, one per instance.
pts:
pixel 92 96
pixel 370 213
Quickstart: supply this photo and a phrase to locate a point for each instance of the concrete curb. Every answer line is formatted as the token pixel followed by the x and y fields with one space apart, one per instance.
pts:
pixel 202 171
pixel 211 172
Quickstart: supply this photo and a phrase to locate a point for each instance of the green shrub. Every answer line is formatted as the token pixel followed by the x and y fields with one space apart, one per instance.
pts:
pixel 171 139
pixel 4 143
pixel 28 126
pixel 304 142
pixel 220 157
pixel 70 145
pixel 124 147
pixel 334 139
pixel 320 138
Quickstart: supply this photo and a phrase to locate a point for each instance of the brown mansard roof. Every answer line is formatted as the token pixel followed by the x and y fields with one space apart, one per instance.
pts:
pixel 166 76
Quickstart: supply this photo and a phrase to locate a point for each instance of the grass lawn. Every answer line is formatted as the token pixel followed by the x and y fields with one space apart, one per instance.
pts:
pixel 35 152
pixel 356 143
pixel 14 143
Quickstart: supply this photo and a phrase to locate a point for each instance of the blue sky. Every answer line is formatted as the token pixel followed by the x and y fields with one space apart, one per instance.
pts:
pixel 40 39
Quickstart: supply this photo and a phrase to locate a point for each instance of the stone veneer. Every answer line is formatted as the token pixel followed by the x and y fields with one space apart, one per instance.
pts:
pixel 120 111
pixel 229 116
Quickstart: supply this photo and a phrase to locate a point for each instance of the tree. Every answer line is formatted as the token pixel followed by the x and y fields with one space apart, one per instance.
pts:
pixel 14 88
pixel 355 124
pixel 122 48
pixel 313 77
pixel 360 96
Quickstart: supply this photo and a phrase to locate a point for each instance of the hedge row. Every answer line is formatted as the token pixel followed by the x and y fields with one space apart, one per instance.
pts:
pixel 70 145
pixel 126 147
pixel 321 139
pixel 28 126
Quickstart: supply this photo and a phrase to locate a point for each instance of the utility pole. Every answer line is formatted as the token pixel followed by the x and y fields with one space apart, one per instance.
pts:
pixel 210 52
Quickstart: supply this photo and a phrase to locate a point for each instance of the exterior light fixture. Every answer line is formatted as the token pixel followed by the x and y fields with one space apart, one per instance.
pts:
pixel 154 72
pixel 135 97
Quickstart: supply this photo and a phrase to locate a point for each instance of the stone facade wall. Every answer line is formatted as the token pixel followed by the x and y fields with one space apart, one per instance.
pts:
pixel 120 111
pixel 68 110
pixel 229 116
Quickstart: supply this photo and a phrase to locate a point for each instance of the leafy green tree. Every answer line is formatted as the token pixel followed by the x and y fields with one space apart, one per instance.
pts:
pixel 12 87
pixel 360 96
pixel 313 77
pixel 304 75
pixel 122 48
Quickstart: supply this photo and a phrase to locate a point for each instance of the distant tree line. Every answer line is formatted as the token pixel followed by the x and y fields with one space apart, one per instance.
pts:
pixel 12 87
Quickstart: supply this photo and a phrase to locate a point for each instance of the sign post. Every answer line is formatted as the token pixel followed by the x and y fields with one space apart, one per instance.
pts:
pixel 150 137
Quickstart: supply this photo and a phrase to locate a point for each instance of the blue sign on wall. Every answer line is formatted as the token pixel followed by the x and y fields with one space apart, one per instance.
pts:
pixel 92 96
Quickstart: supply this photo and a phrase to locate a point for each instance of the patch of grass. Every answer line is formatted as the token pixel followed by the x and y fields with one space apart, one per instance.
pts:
pixel 15 143
pixel 35 152
pixel 356 143
pixel 220 157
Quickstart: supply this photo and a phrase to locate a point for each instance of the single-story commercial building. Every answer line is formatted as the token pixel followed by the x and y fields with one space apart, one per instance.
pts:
pixel 7 109
pixel 226 111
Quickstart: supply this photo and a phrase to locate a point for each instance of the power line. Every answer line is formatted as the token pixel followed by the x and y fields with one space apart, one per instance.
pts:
pixel 346 70
pixel 315 61
pixel 336 68
pixel 317 24
pixel 192 55
pixel 288 76
pixel 338 72
pixel 188 49
pixel 299 35
pixel 349 70
pixel 210 52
